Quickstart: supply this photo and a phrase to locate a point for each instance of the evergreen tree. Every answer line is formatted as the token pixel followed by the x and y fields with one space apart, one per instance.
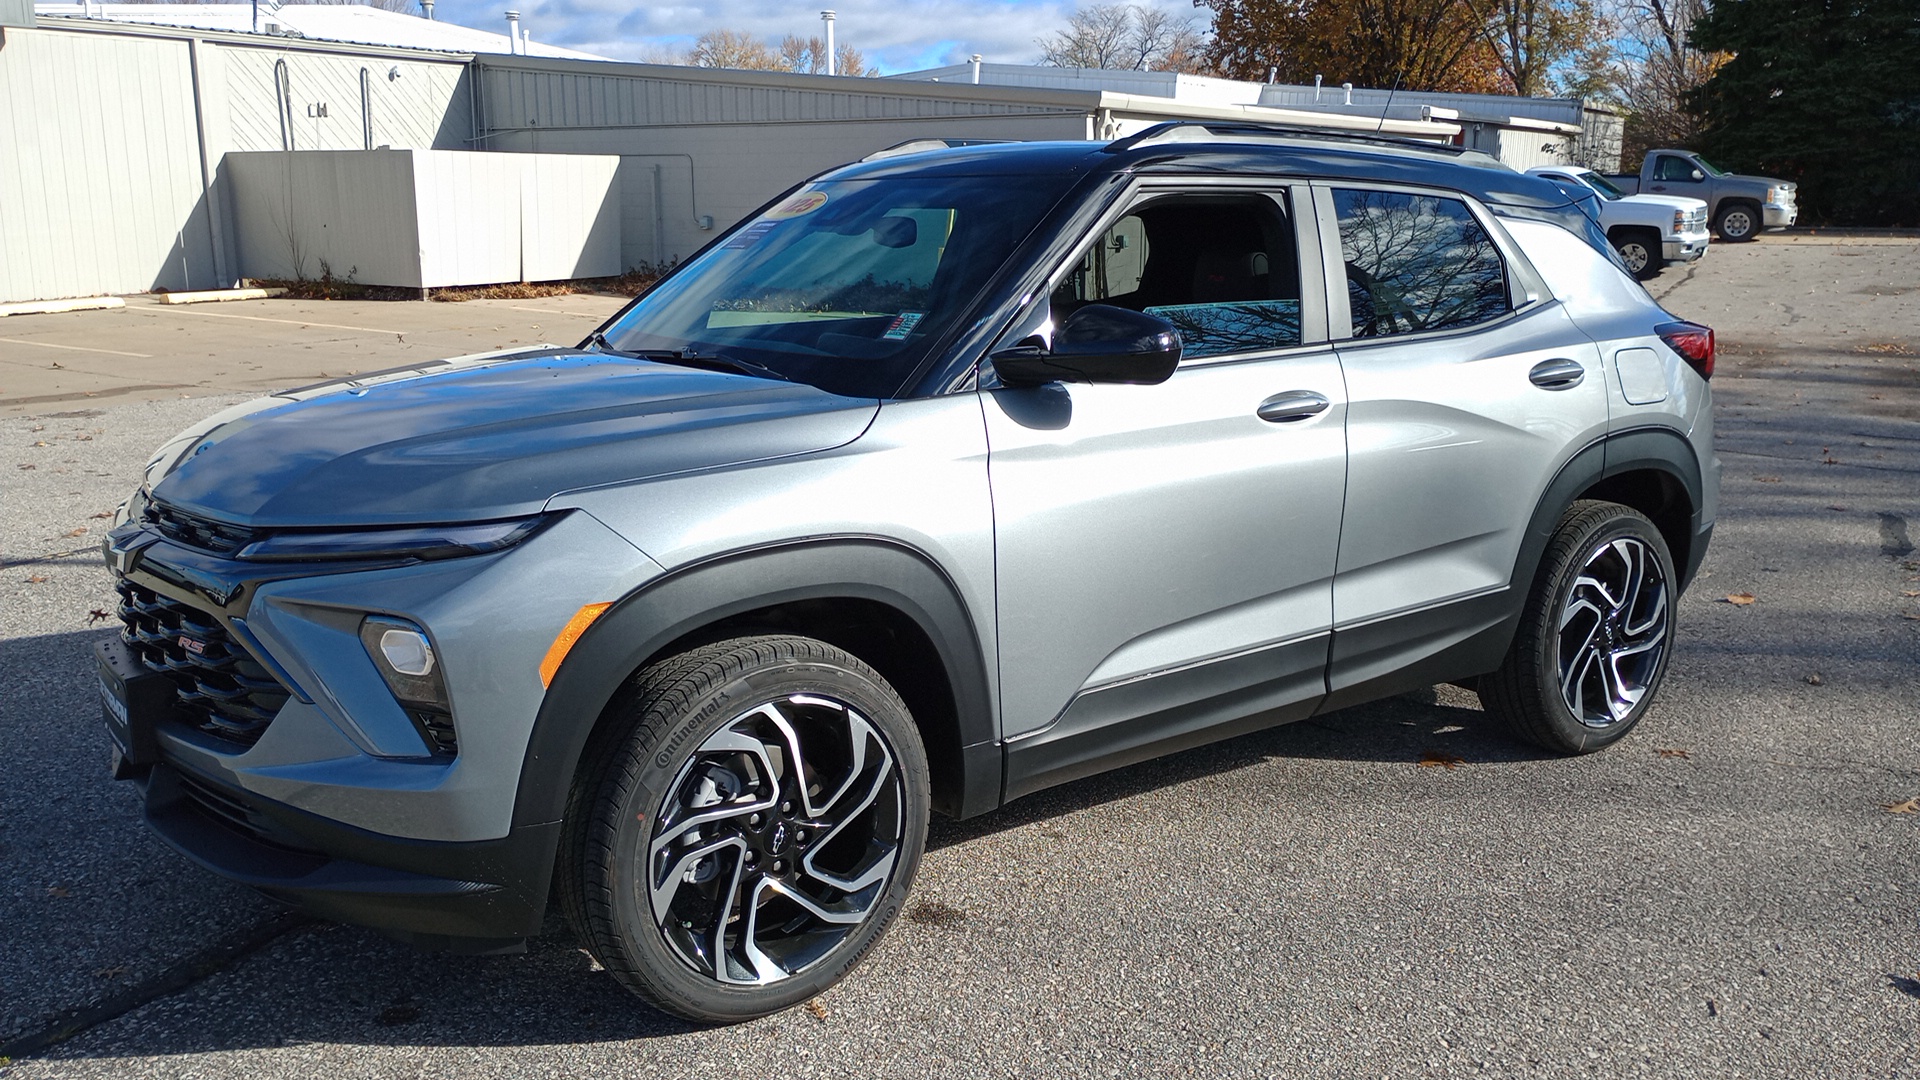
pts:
pixel 1822 92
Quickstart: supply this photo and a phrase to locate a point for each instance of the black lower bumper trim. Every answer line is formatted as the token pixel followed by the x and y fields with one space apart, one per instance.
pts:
pixel 436 892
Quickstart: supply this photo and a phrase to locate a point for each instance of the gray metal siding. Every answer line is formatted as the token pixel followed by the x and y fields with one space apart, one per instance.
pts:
pixel 97 196
pixel 725 172
pixel 414 105
pixel 16 12
pixel 518 98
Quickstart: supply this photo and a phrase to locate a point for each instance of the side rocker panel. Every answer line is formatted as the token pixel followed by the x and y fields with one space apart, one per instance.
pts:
pixel 647 621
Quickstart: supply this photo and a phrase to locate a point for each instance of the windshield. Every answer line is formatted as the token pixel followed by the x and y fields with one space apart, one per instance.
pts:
pixel 1712 169
pixel 845 285
pixel 1601 184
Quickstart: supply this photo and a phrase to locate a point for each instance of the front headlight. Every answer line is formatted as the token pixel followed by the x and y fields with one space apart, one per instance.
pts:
pixel 408 542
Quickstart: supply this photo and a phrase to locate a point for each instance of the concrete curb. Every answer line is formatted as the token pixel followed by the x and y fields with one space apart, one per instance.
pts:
pixel 55 307
pixel 215 295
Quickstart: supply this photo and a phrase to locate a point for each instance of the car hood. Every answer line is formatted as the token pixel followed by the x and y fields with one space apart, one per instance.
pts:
pixel 486 437
pixel 1671 202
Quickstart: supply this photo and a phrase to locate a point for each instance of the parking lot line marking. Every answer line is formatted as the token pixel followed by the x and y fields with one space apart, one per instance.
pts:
pixel 558 311
pixel 76 348
pixel 289 322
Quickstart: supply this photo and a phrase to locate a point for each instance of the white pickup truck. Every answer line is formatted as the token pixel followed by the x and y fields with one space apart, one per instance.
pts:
pixel 1649 231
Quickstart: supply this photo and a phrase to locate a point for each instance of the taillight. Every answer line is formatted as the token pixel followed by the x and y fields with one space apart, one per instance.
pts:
pixel 1692 341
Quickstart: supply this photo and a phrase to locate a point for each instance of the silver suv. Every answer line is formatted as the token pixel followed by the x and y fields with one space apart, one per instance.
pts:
pixel 948 476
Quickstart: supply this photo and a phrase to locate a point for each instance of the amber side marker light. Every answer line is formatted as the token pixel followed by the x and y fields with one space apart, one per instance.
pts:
pixel 568 635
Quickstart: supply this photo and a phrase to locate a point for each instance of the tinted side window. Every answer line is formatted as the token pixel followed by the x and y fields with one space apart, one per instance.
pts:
pixel 1416 262
pixel 1669 167
pixel 1221 268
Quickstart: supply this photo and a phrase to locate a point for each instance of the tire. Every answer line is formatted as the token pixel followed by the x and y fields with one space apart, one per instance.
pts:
pixel 1641 250
pixel 1595 634
pixel 1737 222
pixel 700 871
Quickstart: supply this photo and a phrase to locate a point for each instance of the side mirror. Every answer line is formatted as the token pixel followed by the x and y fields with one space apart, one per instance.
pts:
pixel 1697 175
pixel 1097 344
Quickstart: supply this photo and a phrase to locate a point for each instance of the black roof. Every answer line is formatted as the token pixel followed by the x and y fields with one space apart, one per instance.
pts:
pixel 1232 150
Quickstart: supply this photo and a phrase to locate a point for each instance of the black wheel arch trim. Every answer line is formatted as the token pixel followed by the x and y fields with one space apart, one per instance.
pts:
pixel 670 608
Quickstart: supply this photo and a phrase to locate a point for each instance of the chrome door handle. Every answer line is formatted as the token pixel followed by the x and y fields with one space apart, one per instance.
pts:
pixel 1557 374
pixel 1292 405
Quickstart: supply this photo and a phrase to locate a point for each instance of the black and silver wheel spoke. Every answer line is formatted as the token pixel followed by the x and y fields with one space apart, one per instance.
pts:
pixel 1613 632
pixel 776 840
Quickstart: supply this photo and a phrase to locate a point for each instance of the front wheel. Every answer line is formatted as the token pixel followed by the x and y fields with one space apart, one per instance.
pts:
pixel 1642 253
pixel 1594 636
pixel 748 827
pixel 1738 223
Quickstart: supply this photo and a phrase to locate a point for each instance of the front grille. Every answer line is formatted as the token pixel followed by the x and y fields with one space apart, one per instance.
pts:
pixel 222 689
pixel 194 531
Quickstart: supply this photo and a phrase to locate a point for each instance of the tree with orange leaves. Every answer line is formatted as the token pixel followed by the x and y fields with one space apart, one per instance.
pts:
pixel 1440 45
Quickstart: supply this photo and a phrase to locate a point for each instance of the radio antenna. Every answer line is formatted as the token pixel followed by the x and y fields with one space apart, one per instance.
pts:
pixel 1381 126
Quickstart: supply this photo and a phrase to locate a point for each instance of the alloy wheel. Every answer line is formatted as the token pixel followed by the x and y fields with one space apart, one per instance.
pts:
pixel 1613 632
pixel 776 840
pixel 1737 224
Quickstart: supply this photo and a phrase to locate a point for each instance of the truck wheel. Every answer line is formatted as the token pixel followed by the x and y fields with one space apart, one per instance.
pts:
pixel 1593 640
pixel 1737 223
pixel 1640 249
pixel 746 828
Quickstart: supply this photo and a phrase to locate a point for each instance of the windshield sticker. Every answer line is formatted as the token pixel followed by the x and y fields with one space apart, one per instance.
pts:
pixel 902 325
pixel 804 203
pixel 752 234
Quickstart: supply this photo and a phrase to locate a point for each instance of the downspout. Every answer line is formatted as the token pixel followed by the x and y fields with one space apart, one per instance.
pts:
pixel 214 233
pixel 659 222
pixel 283 89
pixel 366 111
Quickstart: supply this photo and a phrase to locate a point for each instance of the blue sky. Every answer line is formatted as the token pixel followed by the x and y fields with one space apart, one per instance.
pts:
pixel 898 35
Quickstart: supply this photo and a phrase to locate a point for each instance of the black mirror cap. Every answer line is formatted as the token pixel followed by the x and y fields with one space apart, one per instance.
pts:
pixel 1097 344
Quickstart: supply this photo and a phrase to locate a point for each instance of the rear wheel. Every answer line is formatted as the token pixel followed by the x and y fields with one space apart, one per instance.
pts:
pixel 748 828
pixel 1594 637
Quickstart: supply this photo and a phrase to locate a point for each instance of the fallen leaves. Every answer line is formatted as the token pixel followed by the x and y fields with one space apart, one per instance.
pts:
pixel 818 1010
pixel 113 972
pixel 1673 752
pixel 36 579
pixel 71 533
pixel 98 615
pixel 1910 806
pixel 1740 599
pixel 104 515
pixel 1440 759
pixel 1767 479
pixel 1910 593
pixel 59 892
pixel 1815 680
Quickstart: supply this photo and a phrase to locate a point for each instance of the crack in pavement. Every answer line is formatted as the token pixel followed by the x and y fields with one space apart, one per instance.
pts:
pixel 175 978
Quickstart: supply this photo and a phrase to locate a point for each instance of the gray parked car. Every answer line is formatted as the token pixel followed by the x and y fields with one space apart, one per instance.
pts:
pixel 946 477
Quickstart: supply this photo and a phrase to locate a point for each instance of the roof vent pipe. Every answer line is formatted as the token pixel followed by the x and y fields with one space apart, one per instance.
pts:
pixel 1348 87
pixel 1316 89
pixel 1273 75
pixel 526 39
pixel 828 17
pixel 513 31
pixel 974 62
pixel 426 9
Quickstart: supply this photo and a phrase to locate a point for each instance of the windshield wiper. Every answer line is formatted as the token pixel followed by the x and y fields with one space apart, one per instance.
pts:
pixel 711 361
pixel 686 357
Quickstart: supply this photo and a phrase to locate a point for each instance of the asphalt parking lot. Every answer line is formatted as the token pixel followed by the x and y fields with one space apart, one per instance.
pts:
pixel 1729 893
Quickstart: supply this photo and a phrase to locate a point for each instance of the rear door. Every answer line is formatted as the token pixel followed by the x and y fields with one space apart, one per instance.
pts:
pixel 1467 390
pixel 1165 553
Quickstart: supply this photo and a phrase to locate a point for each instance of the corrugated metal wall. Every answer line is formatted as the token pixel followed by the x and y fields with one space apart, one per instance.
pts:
pixel 99 197
pixel 101 181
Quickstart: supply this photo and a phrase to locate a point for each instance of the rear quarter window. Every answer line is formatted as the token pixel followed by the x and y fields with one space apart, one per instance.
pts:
pixel 1416 263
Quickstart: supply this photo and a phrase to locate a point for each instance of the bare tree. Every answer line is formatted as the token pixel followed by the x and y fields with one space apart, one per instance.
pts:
pixel 734 49
pixel 808 56
pixel 1647 65
pixel 1125 37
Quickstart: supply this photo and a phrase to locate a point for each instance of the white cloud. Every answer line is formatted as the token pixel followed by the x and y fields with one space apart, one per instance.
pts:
pixel 898 35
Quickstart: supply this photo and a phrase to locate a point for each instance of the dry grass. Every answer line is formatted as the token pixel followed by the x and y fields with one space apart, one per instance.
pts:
pixel 327 287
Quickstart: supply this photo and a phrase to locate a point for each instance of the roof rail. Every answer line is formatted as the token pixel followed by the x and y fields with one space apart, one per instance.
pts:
pixel 916 146
pixel 1202 130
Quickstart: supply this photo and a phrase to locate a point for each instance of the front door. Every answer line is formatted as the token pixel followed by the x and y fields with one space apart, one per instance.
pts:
pixel 1165 554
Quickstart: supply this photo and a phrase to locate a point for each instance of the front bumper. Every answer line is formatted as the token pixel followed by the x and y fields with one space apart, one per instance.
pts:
pixel 471 896
pixel 1780 215
pixel 1684 249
